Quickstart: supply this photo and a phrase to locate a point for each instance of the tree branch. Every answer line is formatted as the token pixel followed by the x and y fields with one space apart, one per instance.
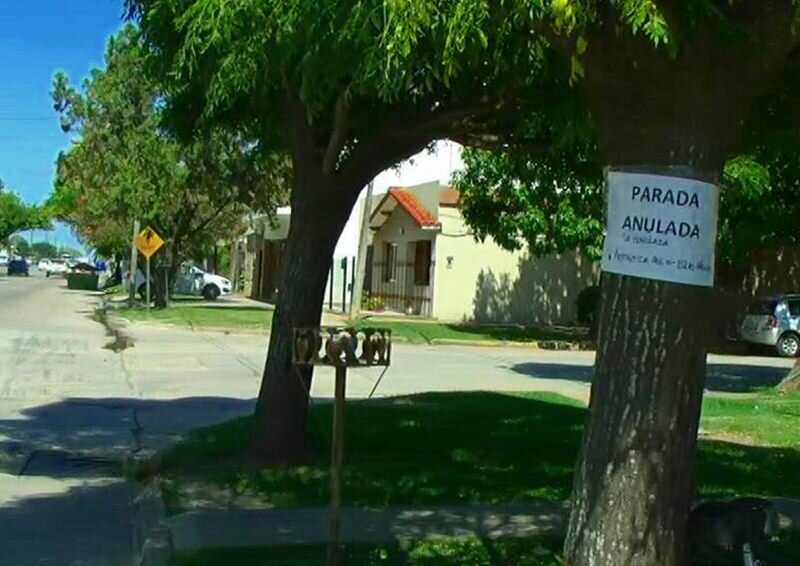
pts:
pixel 562 43
pixel 341 125
pixel 443 121
pixel 495 141
pixel 217 212
pixel 301 135
pixel 404 134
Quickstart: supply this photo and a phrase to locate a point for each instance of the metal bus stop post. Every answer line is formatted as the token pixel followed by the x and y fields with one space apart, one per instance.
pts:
pixel 337 453
pixel 340 351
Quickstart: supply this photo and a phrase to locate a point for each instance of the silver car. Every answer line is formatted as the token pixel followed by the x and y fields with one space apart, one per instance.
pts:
pixel 774 322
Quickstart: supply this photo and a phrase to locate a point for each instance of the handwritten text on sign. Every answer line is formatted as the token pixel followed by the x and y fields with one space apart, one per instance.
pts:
pixel 661 228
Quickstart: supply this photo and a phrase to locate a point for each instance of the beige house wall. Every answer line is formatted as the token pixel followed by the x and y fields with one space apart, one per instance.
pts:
pixel 482 282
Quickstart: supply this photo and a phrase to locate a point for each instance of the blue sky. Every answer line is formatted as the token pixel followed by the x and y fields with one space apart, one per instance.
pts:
pixel 39 37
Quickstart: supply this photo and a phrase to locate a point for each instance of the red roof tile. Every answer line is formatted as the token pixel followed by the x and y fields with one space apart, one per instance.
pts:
pixel 449 196
pixel 413 207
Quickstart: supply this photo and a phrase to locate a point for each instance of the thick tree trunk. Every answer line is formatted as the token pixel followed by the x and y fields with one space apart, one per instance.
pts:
pixel 319 213
pixel 163 275
pixel 671 115
pixel 791 383
pixel 633 484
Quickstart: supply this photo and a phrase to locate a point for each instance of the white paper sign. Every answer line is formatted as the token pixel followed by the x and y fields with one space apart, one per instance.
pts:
pixel 661 228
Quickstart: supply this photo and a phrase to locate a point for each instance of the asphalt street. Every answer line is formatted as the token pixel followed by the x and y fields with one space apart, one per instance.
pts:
pixel 71 405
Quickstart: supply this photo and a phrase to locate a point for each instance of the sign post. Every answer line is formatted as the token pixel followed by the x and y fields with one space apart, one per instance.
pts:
pixel 147 283
pixel 148 242
pixel 339 347
pixel 132 267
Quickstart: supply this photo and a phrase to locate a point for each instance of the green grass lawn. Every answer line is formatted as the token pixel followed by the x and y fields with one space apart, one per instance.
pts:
pixel 424 332
pixel 443 448
pixel 769 419
pixel 417 332
pixel 250 318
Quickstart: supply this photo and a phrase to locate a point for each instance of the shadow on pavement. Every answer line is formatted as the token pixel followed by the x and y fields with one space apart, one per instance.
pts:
pixel 732 378
pixel 63 498
pixel 85 524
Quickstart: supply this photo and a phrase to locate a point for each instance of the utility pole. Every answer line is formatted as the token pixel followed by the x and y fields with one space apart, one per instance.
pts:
pixel 361 267
pixel 132 266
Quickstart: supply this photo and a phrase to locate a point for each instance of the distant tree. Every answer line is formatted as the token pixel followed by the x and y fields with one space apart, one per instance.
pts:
pixel 125 167
pixel 44 250
pixel 16 216
pixel 21 245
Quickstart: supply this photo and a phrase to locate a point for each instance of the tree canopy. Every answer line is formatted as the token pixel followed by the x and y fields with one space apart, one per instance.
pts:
pixel 542 187
pixel 124 166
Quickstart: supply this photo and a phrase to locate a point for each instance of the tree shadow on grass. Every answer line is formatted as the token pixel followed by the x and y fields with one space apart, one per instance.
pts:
pixel 460 448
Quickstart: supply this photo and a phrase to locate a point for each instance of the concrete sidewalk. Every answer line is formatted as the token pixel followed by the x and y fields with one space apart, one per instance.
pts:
pixel 199 529
pixel 276 527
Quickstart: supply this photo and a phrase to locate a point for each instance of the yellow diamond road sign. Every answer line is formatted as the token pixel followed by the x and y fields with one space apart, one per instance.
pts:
pixel 148 242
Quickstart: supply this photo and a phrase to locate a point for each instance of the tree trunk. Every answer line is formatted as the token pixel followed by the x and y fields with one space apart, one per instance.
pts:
pixel 117 269
pixel 319 214
pixel 633 484
pixel 163 275
pixel 634 479
pixel 791 383
pixel 160 288
pixel 665 114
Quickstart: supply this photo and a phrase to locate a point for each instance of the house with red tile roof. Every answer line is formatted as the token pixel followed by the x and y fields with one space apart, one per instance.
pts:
pixel 424 260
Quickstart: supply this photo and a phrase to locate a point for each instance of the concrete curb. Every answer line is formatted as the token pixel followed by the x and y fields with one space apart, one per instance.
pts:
pixel 533 345
pixel 121 322
pixel 152 538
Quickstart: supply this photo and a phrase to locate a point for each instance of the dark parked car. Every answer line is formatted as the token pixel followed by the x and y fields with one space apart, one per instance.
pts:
pixel 18 267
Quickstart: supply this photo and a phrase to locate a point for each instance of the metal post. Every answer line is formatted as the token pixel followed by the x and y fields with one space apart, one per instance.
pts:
pixel 147 283
pixel 344 284
pixel 360 269
pixel 330 291
pixel 132 266
pixel 335 524
pixel 168 258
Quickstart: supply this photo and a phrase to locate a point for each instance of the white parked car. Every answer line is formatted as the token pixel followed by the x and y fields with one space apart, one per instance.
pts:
pixel 43 264
pixel 191 280
pixel 56 267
